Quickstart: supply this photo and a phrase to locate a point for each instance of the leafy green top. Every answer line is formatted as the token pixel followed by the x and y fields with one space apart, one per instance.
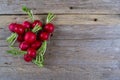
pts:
pixel 29 12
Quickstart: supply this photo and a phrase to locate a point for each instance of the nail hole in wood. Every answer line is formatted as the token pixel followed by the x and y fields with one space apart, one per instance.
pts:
pixel 71 7
pixel 51 35
pixel 7 63
pixel 95 19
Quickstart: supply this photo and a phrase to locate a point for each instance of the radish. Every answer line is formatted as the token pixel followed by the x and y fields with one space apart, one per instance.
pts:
pixel 12 27
pixel 27 58
pixel 20 38
pixel 38 34
pixel 24 46
pixel 36 22
pixel 49 28
pixel 31 52
pixel 36 44
pixel 44 36
pixel 19 29
pixel 26 24
pixel 30 37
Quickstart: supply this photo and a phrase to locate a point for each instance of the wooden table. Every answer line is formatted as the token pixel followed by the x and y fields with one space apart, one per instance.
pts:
pixel 85 45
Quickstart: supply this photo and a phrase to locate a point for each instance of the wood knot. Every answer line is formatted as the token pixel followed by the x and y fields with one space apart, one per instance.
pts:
pixel 95 19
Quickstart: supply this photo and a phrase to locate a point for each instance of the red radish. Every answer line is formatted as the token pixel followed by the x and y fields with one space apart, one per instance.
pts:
pixel 36 22
pixel 38 34
pixel 44 36
pixel 36 44
pixel 20 38
pixel 27 24
pixel 27 58
pixel 24 46
pixel 49 28
pixel 12 27
pixel 30 37
pixel 31 52
pixel 19 29
pixel 20 25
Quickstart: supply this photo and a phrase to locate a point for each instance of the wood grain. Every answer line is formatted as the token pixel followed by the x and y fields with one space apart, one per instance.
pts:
pixel 61 6
pixel 84 46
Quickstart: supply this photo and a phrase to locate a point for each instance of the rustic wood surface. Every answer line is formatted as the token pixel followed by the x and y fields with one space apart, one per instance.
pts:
pixel 84 46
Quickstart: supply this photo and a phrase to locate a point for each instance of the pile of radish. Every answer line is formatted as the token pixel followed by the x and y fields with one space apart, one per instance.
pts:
pixel 32 37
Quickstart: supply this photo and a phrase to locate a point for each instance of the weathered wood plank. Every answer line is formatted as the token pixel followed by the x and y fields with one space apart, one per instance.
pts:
pixel 80 73
pixel 73 62
pixel 48 74
pixel 61 6
pixel 74 52
pixel 82 27
pixel 82 32
pixel 65 19
pixel 74 43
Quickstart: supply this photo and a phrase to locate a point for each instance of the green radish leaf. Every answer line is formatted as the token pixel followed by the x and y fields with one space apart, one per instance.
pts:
pixel 25 9
pixel 11 52
pixel 50 17
pixel 12 38
pixel 39 61
pixel 29 12
pixel 15 51
pixel 39 64
pixel 36 28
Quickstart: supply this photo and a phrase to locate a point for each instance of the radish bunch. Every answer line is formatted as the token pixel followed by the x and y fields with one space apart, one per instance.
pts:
pixel 32 38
